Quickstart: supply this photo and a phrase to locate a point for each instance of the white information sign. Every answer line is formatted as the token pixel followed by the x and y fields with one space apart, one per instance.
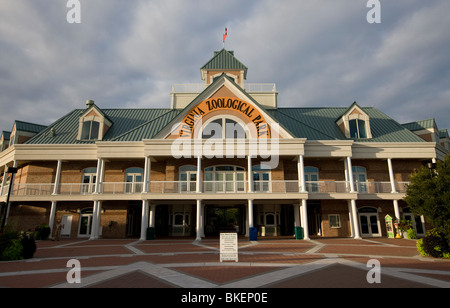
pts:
pixel 228 247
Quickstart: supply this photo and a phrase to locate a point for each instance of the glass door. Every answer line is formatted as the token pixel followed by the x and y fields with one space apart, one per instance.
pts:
pixel 88 185
pixel 369 223
pixel 85 227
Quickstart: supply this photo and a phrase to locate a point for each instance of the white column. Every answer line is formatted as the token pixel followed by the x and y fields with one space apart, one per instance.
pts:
pixel 350 174
pixel 391 175
pixel 198 222
pixel 304 218
pixel 98 176
pixel 250 214
pixel 4 180
pixel 94 221
pixel 297 215
pixel 396 210
pixel 199 174
pixel 152 216
pixel 301 174
pixel 147 169
pixel 202 221
pixel 350 214
pixel 144 219
pixel 51 221
pixel 99 215
pixel 57 177
pixel 250 174
pixel 11 184
pixel 356 234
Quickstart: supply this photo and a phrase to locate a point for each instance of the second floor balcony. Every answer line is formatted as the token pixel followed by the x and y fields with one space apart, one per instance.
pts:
pixel 206 187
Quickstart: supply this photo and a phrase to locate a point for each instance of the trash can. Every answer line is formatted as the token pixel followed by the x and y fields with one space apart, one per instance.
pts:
pixel 298 233
pixel 253 234
pixel 150 234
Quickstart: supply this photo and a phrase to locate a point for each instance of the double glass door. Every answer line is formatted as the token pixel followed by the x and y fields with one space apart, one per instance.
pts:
pixel 368 221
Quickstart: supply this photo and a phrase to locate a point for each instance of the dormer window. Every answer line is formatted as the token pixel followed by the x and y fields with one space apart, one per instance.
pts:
pixel 355 123
pixel 357 129
pixel 93 123
pixel 90 130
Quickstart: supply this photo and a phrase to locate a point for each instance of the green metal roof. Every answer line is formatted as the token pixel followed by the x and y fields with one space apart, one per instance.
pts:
pixel 419 125
pixel 28 127
pixel 6 135
pixel 129 125
pixel 311 123
pixel 320 124
pixel 224 60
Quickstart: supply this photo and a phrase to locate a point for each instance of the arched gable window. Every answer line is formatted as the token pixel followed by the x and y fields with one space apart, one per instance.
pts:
pixel 224 128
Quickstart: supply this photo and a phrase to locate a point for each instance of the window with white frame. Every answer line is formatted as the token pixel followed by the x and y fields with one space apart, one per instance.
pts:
pixel 188 178
pixel 357 129
pixel 90 130
pixel 134 179
pixel 224 128
pixel 335 220
pixel 88 181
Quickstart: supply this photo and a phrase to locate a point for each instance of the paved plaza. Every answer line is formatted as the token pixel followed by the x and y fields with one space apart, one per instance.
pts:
pixel 266 263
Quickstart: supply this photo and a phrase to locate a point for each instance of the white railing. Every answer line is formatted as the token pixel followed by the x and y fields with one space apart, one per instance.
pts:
pixel 184 187
pixel 121 187
pixel 260 87
pixel 32 189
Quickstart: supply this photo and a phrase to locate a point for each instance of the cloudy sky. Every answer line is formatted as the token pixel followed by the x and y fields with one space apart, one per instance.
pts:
pixel 318 52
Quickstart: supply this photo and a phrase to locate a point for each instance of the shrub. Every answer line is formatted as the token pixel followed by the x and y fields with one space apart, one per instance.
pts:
pixel 42 232
pixel 435 244
pixel 13 251
pixel 411 234
pixel 16 246
pixel 29 245
pixel 420 249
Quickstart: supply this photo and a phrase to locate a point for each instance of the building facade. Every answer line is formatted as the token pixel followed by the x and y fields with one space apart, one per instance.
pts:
pixel 223 157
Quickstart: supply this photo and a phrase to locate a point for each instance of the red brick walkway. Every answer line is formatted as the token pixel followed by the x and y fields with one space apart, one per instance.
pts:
pixel 274 263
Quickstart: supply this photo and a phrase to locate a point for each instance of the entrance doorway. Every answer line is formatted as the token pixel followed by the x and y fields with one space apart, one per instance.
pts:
pixel 85 226
pixel 134 216
pixel 224 219
pixel 368 221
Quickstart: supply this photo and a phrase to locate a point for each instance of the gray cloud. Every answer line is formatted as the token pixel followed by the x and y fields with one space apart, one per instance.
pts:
pixel 129 53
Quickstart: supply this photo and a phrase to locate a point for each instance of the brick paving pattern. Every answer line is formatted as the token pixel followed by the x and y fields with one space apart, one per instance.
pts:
pixel 266 263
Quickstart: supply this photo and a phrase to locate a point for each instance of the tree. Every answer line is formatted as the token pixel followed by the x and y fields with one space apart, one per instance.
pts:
pixel 429 195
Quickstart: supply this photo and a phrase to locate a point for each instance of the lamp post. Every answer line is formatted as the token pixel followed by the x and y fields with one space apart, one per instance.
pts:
pixel 12 171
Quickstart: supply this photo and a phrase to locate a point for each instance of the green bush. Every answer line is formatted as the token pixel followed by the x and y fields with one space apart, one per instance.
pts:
pixel 42 232
pixel 16 246
pixel 13 251
pixel 29 245
pixel 436 245
pixel 411 234
pixel 420 249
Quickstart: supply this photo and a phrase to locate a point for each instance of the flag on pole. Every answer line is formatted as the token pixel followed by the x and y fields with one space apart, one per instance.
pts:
pixel 225 35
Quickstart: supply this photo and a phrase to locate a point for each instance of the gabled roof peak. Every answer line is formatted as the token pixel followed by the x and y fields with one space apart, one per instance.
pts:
pixel 224 60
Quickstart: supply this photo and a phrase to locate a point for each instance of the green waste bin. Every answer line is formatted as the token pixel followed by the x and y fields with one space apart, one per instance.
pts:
pixel 150 234
pixel 298 233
